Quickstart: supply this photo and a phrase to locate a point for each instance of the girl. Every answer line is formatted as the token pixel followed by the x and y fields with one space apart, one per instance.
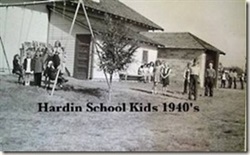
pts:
pixel 156 75
pixel 145 72
pixel 27 68
pixel 151 71
pixel 223 79
pixel 165 72
pixel 17 68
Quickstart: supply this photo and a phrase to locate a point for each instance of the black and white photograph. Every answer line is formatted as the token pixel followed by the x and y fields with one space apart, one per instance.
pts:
pixel 123 76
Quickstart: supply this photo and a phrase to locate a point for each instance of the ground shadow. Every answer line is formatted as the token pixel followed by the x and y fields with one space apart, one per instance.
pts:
pixel 89 91
pixel 168 95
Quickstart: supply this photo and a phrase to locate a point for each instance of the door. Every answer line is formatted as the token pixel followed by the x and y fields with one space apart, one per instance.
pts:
pixel 81 65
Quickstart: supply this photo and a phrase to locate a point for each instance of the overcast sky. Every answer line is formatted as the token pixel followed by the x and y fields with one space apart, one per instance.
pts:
pixel 218 22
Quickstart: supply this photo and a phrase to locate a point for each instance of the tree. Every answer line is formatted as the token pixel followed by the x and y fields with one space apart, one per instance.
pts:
pixel 116 49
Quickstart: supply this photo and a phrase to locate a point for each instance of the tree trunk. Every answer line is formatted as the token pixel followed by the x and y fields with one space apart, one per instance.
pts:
pixel 110 88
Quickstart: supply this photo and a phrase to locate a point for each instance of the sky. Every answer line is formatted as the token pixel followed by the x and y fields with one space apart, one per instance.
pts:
pixel 222 23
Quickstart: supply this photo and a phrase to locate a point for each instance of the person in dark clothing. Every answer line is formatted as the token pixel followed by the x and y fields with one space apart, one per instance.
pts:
pixel 235 75
pixel 17 68
pixel 242 78
pixel 186 78
pixel 38 69
pixel 210 76
pixel 230 78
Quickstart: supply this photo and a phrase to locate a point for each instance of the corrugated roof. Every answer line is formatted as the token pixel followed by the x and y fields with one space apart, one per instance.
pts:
pixel 182 40
pixel 117 8
pixel 98 25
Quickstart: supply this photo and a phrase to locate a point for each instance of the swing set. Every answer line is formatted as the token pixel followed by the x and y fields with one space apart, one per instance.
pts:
pixel 79 4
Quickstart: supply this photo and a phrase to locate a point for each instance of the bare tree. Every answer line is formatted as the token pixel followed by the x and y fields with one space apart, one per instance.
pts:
pixel 116 48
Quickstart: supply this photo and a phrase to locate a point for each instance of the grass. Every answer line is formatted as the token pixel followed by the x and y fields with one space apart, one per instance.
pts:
pixel 218 126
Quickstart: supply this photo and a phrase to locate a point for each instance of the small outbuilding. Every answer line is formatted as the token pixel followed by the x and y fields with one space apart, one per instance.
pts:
pixel 183 47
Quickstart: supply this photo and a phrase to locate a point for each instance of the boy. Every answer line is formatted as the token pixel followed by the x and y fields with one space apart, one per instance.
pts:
pixel 194 78
pixel 210 76
pixel 186 77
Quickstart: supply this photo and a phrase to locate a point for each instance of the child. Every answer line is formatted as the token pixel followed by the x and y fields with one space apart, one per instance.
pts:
pixel 27 67
pixel 151 71
pixel 235 75
pixel 223 79
pixel 140 72
pixel 50 73
pixel 17 68
pixel 210 77
pixel 145 72
pixel 186 78
pixel 38 68
pixel 242 78
pixel 230 78
pixel 156 75
pixel 194 78
pixel 165 72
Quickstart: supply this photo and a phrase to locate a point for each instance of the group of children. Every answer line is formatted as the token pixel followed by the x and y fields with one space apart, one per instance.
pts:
pixel 159 72
pixel 156 72
pixel 44 60
pixel 230 78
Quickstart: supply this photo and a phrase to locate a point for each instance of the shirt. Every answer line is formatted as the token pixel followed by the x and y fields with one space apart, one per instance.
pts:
pixel 224 77
pixel 187 73
pixel 210 73
pixel 195 70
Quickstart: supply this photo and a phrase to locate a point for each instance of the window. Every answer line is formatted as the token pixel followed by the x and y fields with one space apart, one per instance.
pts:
pixel 145 57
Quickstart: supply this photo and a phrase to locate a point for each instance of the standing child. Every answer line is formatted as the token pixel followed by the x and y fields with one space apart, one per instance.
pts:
pixel 140 72
pixel 235 75
pixel 194 78
pixel 38 68
pixel 242 77
pixel 17 68
pixel 27 67
pixel 230 78
pixel 151 71
pixel 145 72
pixel 165 72
pixel 223 79
pixel 186 78
pixel 156 75
pixel 210 76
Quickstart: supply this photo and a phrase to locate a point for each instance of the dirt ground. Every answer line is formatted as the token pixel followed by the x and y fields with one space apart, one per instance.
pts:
pixel 218 126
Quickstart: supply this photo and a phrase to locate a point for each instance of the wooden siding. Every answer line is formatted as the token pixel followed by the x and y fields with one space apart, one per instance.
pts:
pixel 59 30
pixel 178 59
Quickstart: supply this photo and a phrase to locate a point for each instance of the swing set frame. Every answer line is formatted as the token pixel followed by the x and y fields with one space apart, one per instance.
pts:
pixel 80 3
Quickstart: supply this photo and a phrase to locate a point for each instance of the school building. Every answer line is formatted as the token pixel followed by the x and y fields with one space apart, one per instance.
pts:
pixel 50 22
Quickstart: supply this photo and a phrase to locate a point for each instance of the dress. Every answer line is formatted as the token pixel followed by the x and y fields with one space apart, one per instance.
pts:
pixel 165 80
pixel 157 74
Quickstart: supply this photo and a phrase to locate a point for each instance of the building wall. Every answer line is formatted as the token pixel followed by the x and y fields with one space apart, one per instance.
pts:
pixel 19 24
pixel 133 67
pixel 178 59
pixel 59 27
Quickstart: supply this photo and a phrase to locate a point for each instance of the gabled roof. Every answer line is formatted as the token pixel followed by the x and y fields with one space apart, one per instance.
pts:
pixel 98 25
pixel 181 40
pixel 117 8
